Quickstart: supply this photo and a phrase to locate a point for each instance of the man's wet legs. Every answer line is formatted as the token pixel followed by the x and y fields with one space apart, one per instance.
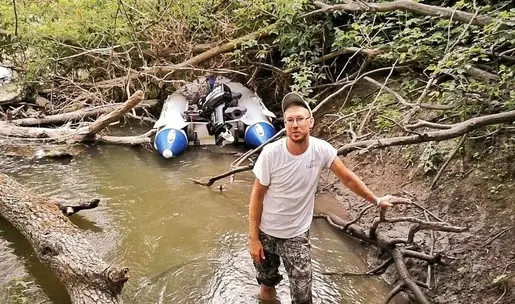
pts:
pixel 267 293
pixel 268 270
pixel 296 255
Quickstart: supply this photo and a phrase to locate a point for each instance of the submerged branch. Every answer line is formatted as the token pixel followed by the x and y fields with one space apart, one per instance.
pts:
pixel 72 208
pixel 213 179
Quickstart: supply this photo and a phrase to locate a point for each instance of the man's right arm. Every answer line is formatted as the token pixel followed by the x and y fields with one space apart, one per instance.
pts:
pixel 255 211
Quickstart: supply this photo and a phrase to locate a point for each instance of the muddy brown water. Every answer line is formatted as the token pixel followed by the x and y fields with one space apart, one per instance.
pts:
pixel 182 243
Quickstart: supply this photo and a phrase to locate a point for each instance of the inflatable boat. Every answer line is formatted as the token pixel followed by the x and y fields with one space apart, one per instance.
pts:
pixel 212 111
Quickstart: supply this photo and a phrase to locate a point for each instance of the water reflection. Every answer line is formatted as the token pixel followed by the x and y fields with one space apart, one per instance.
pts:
pixel 182 243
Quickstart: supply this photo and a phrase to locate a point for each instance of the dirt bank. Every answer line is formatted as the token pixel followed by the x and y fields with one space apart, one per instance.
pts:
pixel 477 190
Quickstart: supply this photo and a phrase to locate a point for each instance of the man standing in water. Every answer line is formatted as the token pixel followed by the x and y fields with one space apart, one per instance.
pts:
pixel 282 201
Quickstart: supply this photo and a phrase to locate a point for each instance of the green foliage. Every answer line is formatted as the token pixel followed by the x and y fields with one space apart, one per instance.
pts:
pixel 445 49
pixel 20 291
pixel 239 54
pixel 408 156
pixel 385 119
pixel 46 27
pixel 430 159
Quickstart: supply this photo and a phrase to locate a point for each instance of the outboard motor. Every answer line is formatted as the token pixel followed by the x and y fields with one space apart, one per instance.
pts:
pixel 213 108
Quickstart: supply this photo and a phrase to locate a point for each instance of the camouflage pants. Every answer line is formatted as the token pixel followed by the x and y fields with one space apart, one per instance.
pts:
pixel 296 255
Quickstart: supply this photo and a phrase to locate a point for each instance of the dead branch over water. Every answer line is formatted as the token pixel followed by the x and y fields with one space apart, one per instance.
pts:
pixel 84 133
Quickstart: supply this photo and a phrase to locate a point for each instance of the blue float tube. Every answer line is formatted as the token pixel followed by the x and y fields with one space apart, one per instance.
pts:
pixel 258 133
pixel 171 142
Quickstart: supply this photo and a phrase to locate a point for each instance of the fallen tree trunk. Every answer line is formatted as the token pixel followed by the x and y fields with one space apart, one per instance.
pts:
pixel 37 150
pixel 60 245
pixel 136 140
pixel 113 116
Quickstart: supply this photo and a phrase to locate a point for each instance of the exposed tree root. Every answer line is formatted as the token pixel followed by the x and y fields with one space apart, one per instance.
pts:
pixel 394 247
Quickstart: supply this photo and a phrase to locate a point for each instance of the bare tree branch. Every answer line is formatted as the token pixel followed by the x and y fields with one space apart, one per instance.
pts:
pixel 403 101
pixel 451 131
pixel 422 123
pixel 349 50
pixel 213 179
pixel 456 130
pixel 74 207
pixel 404 5
pixel 397 255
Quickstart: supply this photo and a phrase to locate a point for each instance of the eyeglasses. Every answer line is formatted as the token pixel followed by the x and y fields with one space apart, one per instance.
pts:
pixel 300 120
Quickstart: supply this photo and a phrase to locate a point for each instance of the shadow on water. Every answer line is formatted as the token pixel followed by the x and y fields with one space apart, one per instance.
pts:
pixel 84 223
pixel 45 278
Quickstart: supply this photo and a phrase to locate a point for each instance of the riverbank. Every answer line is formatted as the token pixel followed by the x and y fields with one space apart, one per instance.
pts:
pixel 477 190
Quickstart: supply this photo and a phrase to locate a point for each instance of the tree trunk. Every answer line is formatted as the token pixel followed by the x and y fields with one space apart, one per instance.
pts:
pixel 60 245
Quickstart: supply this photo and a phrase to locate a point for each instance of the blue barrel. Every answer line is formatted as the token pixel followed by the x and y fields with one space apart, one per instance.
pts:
pixel 258 133
pixel 170 142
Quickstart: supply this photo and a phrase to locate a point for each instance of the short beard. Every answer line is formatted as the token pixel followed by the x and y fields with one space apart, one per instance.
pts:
pixel 299 140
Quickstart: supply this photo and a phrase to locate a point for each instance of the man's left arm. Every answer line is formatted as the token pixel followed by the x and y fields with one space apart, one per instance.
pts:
pixel 352 181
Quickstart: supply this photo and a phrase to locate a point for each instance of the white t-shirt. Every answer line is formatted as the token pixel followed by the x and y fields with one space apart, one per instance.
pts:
pixel 292 182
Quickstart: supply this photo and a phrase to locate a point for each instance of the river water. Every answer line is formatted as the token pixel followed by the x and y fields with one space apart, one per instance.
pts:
pixel 183 243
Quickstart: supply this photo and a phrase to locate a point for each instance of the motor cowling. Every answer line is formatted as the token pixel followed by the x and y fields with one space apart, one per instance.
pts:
pixel 213 107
